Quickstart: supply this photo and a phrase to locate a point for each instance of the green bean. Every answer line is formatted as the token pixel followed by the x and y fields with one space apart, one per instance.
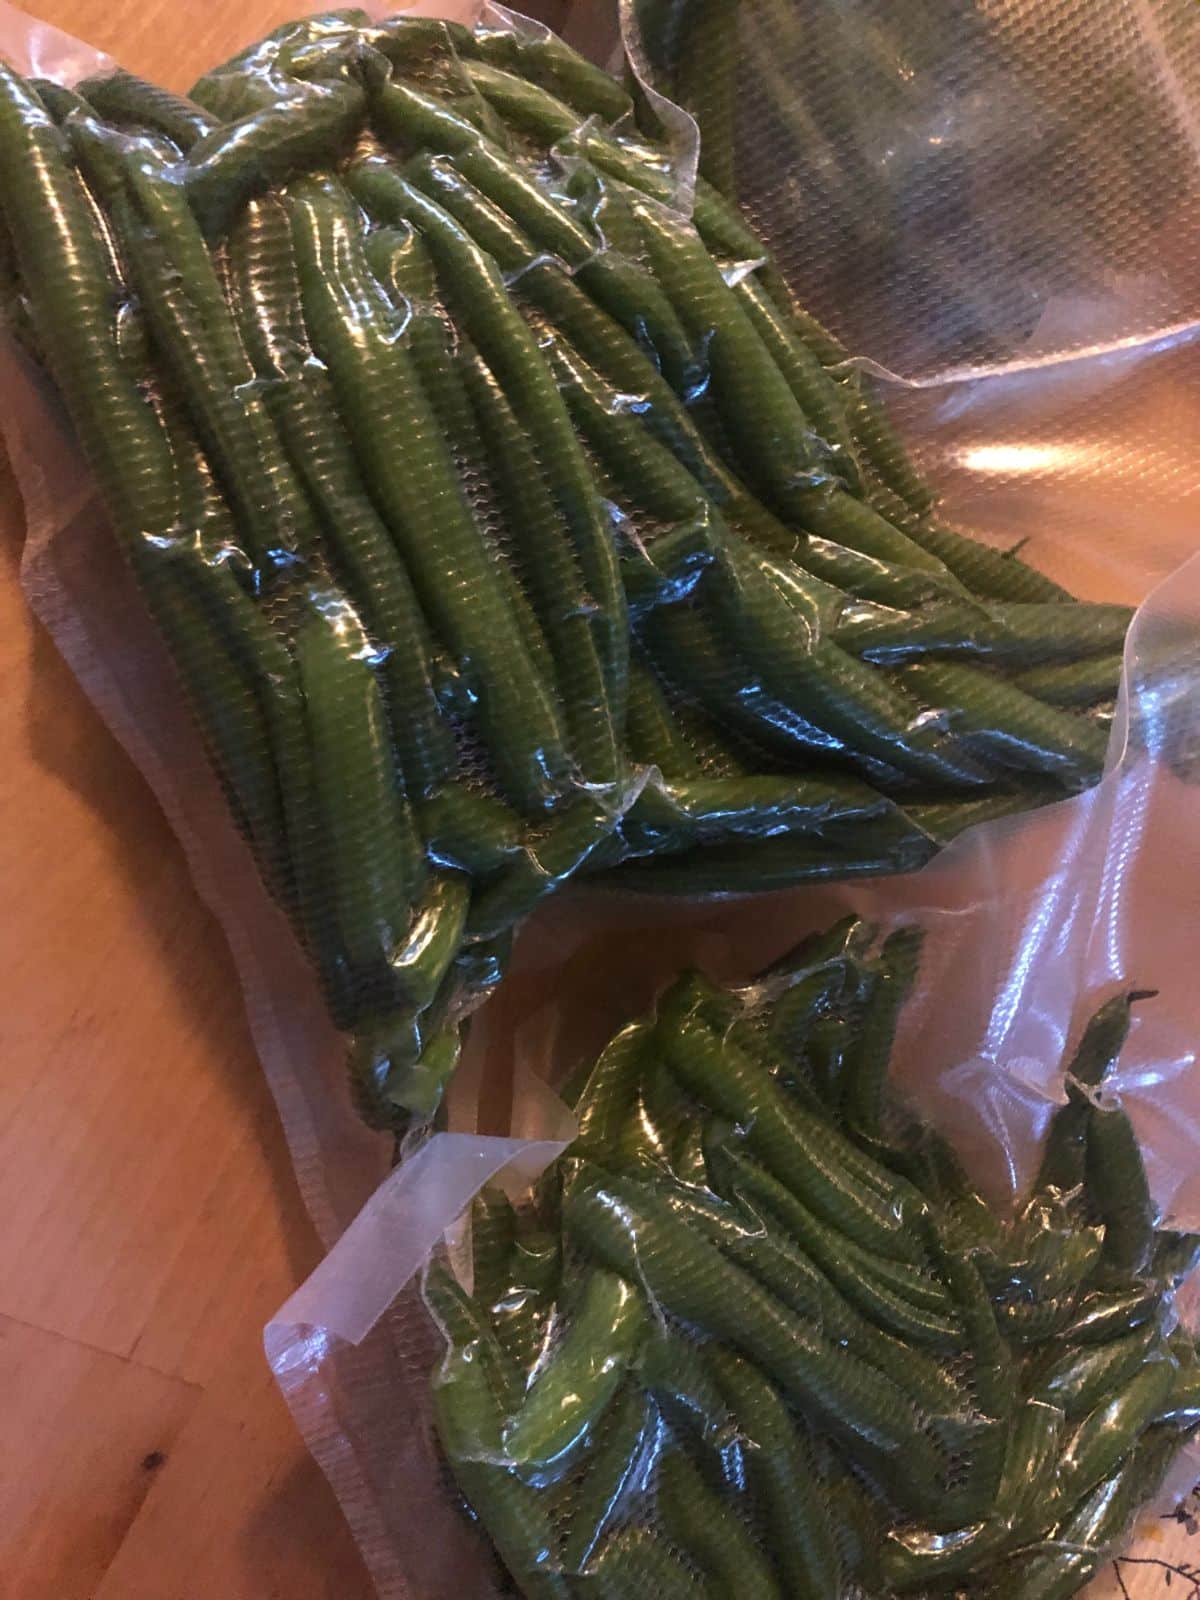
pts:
pixel 1175 1256
pixel 240 159
pixel 880 1295
pixel 1085 1538
pixel 522 1314
pixel 572 1391
pixel 866 1070
pixel 711 1532
pixel 621 1447
pixel 991 574
pixel 775 612
pixel 1009 726
pixel 874 432
pixel 676 816
pixel 993 1373
pixel 1099 1046
pixel 267 289
pixel 122 98
pixel 1080 1377
pixel 1118 1191
pixel 944 820
pixel 1104 1315
pixel 546 285
pixel 772 434
pixel 493 1228
pixel 672 1368
pixel 802 1540
pixel 816 393
pixel 762 867
pixel 653 733
pixel 424 957
pixel 546 60
pixel 635 1562
pixel 1109 1432
pixel 1182 1408
pixel 1073 685
pixel 192 326
pixel 1102 1041
pixel 609 1095
pixel 550 856
pixel 808 997
pixel 914 1558
pixel 625 289
pixel 376 857
pixel 74 310
pixel 469 1419
pixel 782 1268
pixel 469 829
pixel 405 40
pixel 1008 632
pixel 553 577
pixel 414 483
pixel 673 480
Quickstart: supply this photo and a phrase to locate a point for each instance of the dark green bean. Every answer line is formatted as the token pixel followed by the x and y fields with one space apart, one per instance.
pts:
pixel 122 98
pixel 469 829
pixel 469 1420
pixel 879 1296
pixel 238 160
pixel 1074 685
pixel 636 1562
pixel 710 1531
pixel 620 1451
pixel 802 1541
pixel 1007 632
pixel 376 857
pixel 1008 726
pixel 574 1388
pixel 511 351
pixel 866 1068
pixel 1108 1433
pixel 814 1160
pixel 1079 1378
pixel 1119 1192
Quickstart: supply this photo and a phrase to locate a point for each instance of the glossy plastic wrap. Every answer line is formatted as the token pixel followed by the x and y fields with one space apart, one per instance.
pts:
pixel 963 165
pixel 503 525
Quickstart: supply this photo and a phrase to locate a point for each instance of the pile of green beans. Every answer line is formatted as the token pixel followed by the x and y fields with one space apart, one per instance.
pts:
pixel 504 526
pixel 756 1334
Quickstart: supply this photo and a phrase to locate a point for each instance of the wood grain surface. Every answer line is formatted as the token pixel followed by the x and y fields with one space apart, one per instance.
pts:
pixel 151 1223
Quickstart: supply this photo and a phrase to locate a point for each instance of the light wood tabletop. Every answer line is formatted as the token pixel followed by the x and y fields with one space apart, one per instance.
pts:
pixel 151 1223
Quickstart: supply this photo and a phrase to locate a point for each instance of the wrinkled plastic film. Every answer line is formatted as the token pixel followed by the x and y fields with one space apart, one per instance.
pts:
pixel 886 146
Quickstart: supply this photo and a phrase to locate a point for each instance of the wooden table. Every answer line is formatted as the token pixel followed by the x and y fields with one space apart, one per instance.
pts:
pixel 151 1223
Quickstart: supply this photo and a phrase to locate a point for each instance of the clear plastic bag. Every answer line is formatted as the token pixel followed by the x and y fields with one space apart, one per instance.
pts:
pixel 758 1326
pixel 963 166
pixel 502 528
